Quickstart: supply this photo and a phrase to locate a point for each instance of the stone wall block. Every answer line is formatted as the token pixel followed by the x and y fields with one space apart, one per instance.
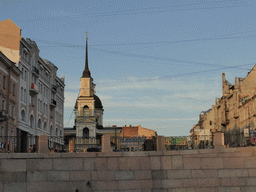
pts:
pixel 68 186
pixel 57 175
pixel 101 164
pixel 68 164
pixel 36 176
pixel 211 163
pixel 112 164
pixel 134 163
pixel 157 183
pixel 250 162
pixel 41 186
pixel 146 184
pixel 233 173
pixel 159 174
pixel 235 162
pixel 124 175
pixel 110 175
pixel 7 177
pixel 98 175
pixel 204 173
pixel 123 163
pixel 155 163
pixel 39 164
pixel 13 165
pixel 178 174
pixel 231 189
pixel 89 163
pixel 252 172
pixel 15 186
pixel 166 162
pixel 209 182
pixel 251 181
pixel 177 162
pixel 128 185
pixel 144 163
pixel 79 175
pixel 105 186
pixel 143 174
pixel 191 163
pixel 233 182
pixel 191 182
pixel 172 183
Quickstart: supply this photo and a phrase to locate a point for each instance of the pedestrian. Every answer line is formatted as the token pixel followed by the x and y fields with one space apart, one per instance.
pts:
pixel 58 150
pixel 85 149
pixel 30 149
pixel 52 150
pixel 33 149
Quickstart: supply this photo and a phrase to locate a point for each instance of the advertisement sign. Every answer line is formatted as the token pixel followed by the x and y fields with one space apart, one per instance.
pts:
pixel 246 132
pixel 71 145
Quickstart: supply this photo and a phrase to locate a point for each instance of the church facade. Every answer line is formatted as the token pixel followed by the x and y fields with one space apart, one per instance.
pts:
pixel 88 112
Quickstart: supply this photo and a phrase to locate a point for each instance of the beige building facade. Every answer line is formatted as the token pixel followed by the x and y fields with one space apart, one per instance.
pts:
pixel 40 92
pixel 235 112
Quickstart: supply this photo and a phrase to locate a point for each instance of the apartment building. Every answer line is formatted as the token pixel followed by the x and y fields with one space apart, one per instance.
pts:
pixel 40 91
pixel 235 112
pixel 9 84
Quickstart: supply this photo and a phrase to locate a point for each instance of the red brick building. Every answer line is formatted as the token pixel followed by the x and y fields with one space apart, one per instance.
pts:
pixel 9 85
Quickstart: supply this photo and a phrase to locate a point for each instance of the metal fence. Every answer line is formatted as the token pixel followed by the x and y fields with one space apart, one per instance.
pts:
pixel 122 144
pixel 188 142
pixel 18 144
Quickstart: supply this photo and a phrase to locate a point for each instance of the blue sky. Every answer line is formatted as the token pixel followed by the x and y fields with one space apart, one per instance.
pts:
pixel 155 63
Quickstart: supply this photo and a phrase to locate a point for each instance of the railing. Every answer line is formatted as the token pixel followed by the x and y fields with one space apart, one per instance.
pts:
pixel 18 144
pixel 195 141
pixel 122 144
pixel 35 70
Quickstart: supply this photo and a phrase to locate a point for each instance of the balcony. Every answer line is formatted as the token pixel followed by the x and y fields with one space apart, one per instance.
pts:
pixel 53 103
pixel 34 89
pixel 54 88
pixel 35 71
pixel 3 116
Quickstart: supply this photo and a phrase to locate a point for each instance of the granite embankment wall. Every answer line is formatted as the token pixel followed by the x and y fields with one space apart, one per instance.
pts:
pixel 231 169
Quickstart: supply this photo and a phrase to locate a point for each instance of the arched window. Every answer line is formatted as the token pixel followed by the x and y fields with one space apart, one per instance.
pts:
pixel 86 110
pixel 39 123
pixel 51 131
pixel 86 132
pixel 210 122
pixel 56 132
pixel 23 115
pixel 31 121
pixel 45 126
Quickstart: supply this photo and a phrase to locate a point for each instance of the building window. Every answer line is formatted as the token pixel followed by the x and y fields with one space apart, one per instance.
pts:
pixel 4 81
pixel 21 92
pixel 23 115
pixel 25 95
pixel 13 91
pixel 25 75
pixel 3 104
pixel 22 71
pixel 13 111
pixel 39 123
pixel 210 122
pixel 10 88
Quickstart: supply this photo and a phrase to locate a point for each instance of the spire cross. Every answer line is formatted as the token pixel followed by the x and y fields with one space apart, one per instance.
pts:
pixel 86 35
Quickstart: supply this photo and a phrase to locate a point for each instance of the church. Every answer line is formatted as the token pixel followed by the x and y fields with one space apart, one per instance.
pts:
pixel 88 113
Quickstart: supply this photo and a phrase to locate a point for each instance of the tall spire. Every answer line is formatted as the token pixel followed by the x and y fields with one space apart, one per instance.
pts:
pixel 86 72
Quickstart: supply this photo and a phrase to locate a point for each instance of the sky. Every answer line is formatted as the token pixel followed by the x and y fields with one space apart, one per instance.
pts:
pixel 157 64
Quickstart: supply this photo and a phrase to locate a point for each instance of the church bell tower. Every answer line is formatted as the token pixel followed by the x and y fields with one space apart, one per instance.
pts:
pixel 88 108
